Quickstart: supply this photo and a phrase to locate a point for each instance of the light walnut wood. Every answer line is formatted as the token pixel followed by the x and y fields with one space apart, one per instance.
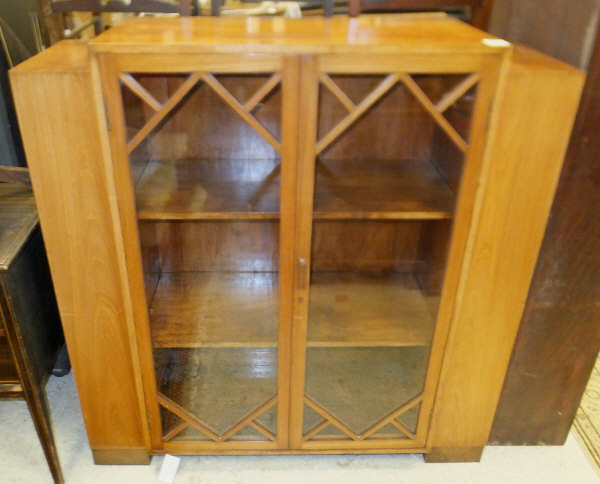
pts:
pixel 305 156
pixel 171 103
pixel 239 189
pixel 210 309
pixel 355 113
pixel 431 109
pixel 290 140
pixel 76 216
pixel 391 418
pixel 489 197
pixel 190 419
pixel 366 246
pixel 243 246
pixel 314 35
pixel 143 94
pixel 116 164
pixel 456 93
pixel 330 418
pixel 374 189
pixel 337 92
pixel 209 190
pixel 241 110
pixel 347 309
pixel 264 90
pixel 246 448
pixel 468 179
pixel 249 189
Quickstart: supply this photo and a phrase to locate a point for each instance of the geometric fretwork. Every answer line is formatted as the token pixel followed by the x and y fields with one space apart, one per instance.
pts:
pixel 435 110
pixel 191 420
pixel 328 419
pixel 161 110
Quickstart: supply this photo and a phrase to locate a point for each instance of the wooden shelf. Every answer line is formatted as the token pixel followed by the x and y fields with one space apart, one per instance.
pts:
pixel 215 309
pixel 368 309
pixel 209 190
pixel 249 189
pixel 211 309
pixel 380 189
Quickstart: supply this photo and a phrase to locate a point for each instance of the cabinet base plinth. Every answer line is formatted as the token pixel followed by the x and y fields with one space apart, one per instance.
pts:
pixel 454 454
pixel 127 456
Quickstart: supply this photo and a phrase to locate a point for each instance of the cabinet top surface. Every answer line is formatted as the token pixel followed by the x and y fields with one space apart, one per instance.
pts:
pixel 18 217
pixel 428 34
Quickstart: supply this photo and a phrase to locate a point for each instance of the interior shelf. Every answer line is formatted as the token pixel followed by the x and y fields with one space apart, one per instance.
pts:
pixel 250 189
pixel 208 190
pixel 368 309
pixel 214 309
pixel 380 189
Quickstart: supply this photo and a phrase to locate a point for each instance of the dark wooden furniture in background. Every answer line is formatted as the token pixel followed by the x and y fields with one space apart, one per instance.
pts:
pixel 30 331
pixel 559 335
pixel 182 7
pixel 479 9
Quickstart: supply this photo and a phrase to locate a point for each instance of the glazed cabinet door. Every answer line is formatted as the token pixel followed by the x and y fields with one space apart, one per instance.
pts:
pixel 390 153
pixel 204 151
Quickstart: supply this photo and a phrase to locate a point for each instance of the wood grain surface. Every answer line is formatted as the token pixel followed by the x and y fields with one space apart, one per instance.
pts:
pixel 388 34
pixel 75 211
pixel 511 163
pixel 514 204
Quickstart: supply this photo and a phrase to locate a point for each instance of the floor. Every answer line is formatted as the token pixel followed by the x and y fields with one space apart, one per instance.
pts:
pixel 587 420
pixel 23 461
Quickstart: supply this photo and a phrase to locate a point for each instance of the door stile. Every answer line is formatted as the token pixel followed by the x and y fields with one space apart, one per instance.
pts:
pixel 111 67
pixel 140 326
pixel 308 100
pixel 287 234
pixel 465 227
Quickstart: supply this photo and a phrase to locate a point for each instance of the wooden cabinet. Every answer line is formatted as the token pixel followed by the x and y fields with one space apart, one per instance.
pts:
pixel 30 333
pixel 274 236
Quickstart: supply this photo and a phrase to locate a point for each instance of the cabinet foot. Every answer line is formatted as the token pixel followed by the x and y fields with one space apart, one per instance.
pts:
pixel 454 454
pixel 113 456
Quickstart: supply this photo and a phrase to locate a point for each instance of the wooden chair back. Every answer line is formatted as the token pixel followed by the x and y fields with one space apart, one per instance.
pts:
pixel 479 9
pixel 183 7
pixel 328 7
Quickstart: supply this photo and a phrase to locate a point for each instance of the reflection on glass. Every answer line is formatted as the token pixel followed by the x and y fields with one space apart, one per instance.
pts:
pixel 384 198
pixel 206 174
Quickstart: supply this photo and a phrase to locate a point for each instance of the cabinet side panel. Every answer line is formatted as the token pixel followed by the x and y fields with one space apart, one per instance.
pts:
pixel 528 136
pixel 64 152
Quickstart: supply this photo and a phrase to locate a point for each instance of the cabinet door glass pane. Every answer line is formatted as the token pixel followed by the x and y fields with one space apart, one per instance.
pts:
pixel 205 159
pixel 390 154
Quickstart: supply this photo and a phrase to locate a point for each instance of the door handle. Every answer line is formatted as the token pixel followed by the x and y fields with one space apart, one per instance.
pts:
pixel 302 274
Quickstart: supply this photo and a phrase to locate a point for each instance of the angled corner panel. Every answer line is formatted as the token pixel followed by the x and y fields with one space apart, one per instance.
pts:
pixel 59 118
pixel 528 135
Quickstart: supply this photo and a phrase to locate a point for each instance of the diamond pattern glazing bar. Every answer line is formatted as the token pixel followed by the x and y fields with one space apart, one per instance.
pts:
pixel 434 110
pixel 329 419
pixel 162 110
pixel 190 420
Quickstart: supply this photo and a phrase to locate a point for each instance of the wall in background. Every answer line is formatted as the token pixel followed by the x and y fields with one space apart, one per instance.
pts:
pixel 559 336
pixel 16 15
pixel 565 29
